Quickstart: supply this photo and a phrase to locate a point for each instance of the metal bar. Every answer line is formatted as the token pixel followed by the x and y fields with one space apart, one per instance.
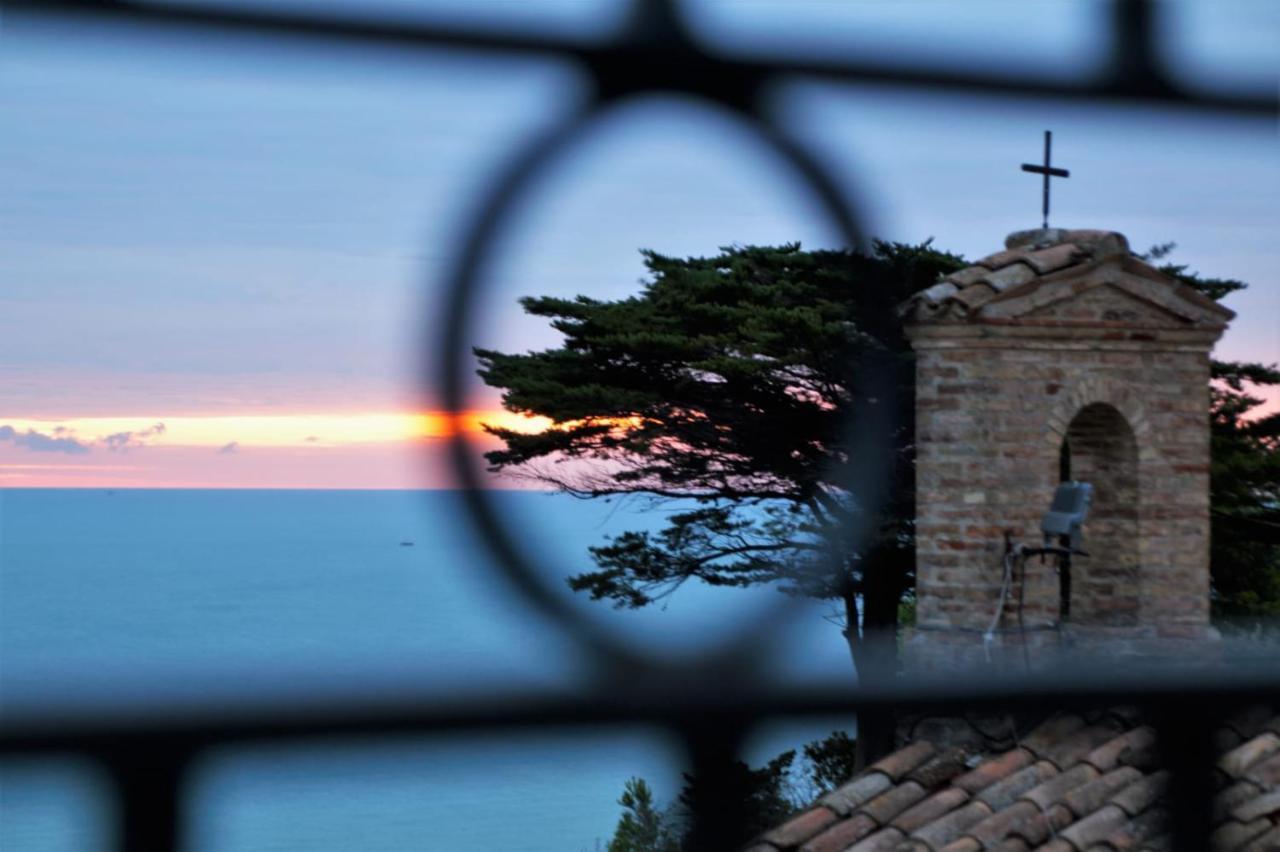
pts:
pixel 149 787
pixel 1186 747
pixel 1122 85
pixel 426 714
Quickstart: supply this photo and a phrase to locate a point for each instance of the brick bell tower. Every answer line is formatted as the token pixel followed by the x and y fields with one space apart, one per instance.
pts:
pixel 1063 357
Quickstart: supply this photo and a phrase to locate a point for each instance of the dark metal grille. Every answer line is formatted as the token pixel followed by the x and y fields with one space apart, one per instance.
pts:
pixel 149 760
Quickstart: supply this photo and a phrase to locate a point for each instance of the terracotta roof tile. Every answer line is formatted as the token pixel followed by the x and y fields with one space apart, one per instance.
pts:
pixel 1044 825
pixel 1012 277
pixel 889 804
pixel 1058 845
pixel 1268 842
pixel 882 841
pixel 1088 798
pixel 1001 824
pixel 841 835
pixel 844 799
pixel 1233 797
pixel 1056 788
pixel 1096 827
pixel 943 830
pixel 1006 791
pixel 1251 721
pixel 940 768
pixel 1138 796
pixel 1011 844
pixel 1267 805
pixel 800 828
pixel 1131 835
pixel 1112 753
pixel 964 844
pixel 1234 834
pixel 920 799
pixel 1050 732
pixel 1266 772
pixel 1001 259
pixel 991 771
pixel 902 761
pixel 1240 758
pixel 1072 748
pixel 930 809
pixel 1051 259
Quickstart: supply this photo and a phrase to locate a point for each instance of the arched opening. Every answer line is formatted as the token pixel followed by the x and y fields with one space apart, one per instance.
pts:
pixel 1100 448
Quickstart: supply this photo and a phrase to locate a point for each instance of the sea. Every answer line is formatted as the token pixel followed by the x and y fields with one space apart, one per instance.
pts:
pixel 148 603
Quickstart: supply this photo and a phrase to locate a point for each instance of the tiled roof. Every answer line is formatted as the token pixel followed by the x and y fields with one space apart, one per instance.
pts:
pixel 1073 784
pixel 1028 255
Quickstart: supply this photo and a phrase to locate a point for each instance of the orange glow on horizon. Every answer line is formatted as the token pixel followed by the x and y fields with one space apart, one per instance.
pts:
pixel 274 430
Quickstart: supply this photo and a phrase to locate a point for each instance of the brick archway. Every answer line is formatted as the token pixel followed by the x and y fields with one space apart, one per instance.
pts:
pixel 1102 449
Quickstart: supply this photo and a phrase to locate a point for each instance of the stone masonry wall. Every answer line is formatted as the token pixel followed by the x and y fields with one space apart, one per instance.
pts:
pixel 992 414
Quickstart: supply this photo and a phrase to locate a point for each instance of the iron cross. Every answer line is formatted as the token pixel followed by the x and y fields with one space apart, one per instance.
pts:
pixel 1047 171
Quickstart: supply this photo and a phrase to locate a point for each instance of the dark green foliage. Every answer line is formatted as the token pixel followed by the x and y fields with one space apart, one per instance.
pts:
pixel 726 382
pixel 641 828
pixel 763 795
pixel 832 761
pixel 1244 490
pixel 769 795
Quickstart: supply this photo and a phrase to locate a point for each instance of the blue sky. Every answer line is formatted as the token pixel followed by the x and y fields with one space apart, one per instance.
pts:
pixel 199 227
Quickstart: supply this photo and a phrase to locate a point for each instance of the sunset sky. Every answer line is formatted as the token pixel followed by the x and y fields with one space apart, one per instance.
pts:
pixel 221 260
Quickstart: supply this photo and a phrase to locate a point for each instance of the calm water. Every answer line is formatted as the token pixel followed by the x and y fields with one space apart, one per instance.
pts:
pixel 150 600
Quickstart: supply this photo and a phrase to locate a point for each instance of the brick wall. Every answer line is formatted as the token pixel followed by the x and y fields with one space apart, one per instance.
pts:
pixel 1123 381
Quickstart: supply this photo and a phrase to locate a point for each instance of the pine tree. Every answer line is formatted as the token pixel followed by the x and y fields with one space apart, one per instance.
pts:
pixel 641 827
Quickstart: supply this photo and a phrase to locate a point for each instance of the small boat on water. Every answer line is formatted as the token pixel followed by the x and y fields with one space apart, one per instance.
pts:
pixel 406 544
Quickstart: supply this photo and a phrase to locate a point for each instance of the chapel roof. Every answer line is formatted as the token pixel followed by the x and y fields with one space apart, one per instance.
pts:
pixel 1073 784
pixel 1037 259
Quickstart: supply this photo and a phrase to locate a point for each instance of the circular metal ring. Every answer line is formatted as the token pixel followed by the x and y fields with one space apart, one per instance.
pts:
pixel 465 283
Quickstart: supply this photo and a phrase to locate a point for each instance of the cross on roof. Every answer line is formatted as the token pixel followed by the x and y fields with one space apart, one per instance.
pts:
pixel 1047 171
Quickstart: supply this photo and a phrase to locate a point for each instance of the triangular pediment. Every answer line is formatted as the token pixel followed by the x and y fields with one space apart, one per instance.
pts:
pixel 1107 304
pixel 1121 291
